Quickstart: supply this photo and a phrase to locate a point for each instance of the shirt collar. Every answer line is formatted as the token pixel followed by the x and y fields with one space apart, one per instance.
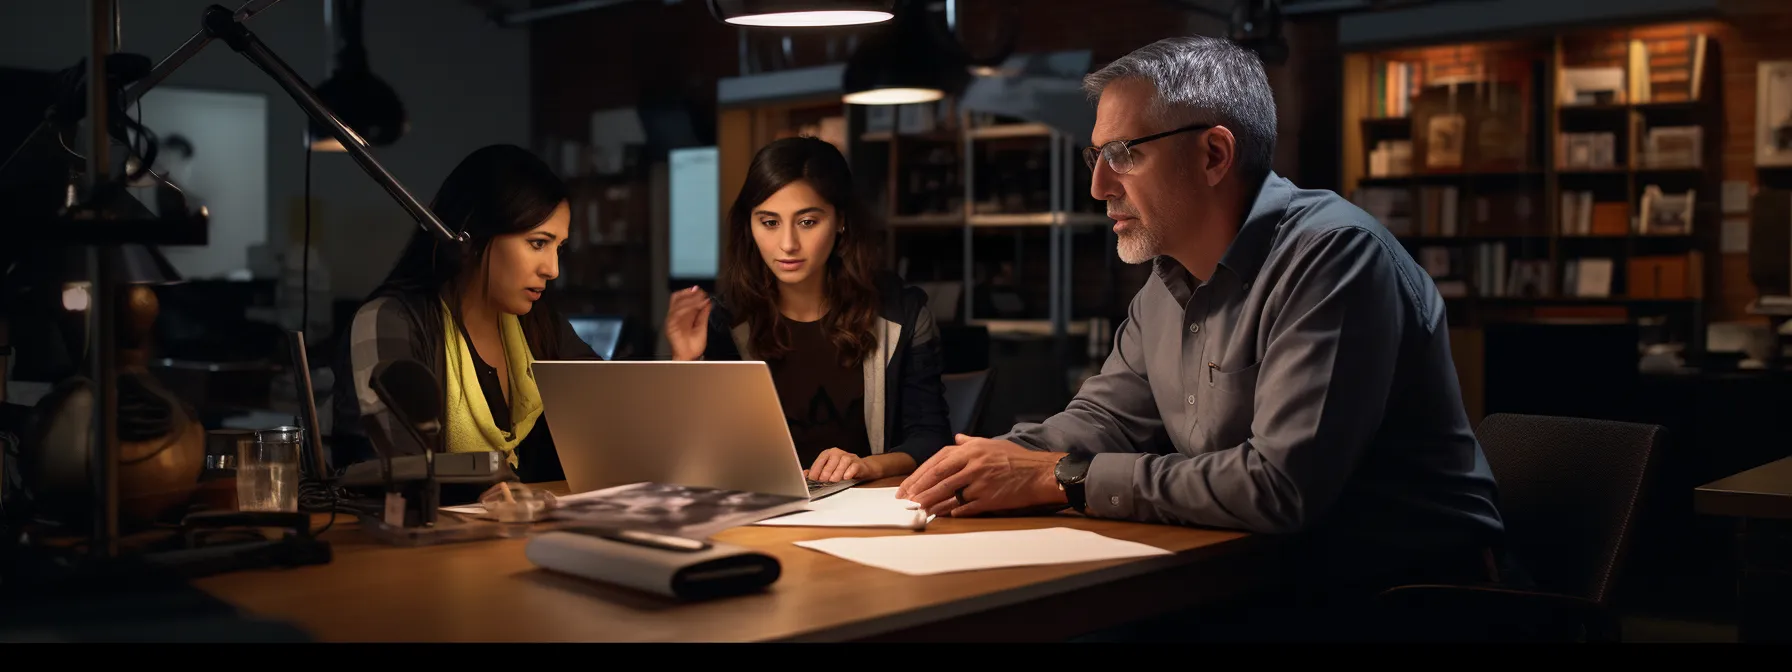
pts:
pixel 1251 247
pixel 1245 256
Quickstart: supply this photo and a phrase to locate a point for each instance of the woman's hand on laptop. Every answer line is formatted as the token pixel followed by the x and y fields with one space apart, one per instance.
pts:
pixel 687 323
pixel 835 464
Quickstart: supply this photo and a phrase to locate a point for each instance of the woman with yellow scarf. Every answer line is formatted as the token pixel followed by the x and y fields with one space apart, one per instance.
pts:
pixel 471 312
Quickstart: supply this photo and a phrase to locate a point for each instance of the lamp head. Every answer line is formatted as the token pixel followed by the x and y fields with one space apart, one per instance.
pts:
pixel 365 104
pixel 800 13
pixel 914 60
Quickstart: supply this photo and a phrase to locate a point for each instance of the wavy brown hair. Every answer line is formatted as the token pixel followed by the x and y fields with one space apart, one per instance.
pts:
pixel 750 290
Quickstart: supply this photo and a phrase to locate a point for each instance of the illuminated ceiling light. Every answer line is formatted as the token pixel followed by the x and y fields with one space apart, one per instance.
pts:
pixel 914 60
pixel 800 13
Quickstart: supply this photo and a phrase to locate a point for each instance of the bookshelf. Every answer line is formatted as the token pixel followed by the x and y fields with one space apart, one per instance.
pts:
pixel 1570 175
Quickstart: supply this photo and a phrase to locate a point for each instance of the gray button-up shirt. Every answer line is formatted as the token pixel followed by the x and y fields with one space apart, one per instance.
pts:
pixel 1308 384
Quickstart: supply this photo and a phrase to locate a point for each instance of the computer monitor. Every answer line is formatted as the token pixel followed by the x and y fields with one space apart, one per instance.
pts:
pixel 696 214
pixel 601 332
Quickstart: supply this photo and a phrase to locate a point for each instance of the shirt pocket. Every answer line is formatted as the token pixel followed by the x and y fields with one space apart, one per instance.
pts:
pixel 1225 410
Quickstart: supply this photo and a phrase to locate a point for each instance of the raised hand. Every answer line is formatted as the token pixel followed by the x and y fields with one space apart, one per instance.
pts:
pixel 687 323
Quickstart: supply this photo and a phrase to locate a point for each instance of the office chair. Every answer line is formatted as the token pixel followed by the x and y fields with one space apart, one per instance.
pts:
pixel 1569 489
pixel 966 395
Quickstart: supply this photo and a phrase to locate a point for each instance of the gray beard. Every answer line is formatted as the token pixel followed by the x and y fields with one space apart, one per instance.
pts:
pixel 1140 245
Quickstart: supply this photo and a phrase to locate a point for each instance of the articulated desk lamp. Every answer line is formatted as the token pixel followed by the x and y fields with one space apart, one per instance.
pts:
pixel 102 216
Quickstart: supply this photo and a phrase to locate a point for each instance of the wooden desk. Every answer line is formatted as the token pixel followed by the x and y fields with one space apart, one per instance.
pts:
pixel 488 591
pixel 1761 492
pixel 1761 500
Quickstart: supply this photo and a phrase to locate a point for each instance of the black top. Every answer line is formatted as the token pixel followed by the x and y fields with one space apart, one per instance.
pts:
pixel 915 417
pixel 824 402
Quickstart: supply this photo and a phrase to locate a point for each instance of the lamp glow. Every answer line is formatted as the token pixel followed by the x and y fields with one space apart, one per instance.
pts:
pixel 75 296
pixel 898 96
pixel 810 19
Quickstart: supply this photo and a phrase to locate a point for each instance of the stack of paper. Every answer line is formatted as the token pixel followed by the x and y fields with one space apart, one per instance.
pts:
pixel 923 554
pixel 857 507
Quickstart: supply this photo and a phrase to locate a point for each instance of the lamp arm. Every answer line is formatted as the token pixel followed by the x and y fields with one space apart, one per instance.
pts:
pixel 187 50
pixel 221 23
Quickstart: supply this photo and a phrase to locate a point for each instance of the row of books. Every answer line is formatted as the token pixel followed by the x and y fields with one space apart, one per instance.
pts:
pixel 1484 270
pixel 1441 211
pixel 1660 70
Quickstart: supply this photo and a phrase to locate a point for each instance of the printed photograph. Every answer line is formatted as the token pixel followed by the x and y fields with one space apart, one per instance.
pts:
pixel 676 509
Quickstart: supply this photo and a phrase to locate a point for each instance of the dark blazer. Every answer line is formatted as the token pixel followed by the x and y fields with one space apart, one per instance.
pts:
pixel 907 411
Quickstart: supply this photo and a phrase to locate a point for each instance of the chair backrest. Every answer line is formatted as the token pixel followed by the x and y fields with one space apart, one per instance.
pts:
pixel 1569 490
pixel 966 394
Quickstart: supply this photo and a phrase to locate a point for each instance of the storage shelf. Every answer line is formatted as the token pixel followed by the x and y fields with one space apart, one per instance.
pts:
pixel 1011 131
pixel 935 220
pixel 1447 178
pixel 1625 107
pixel 1040 219
pixel 1030 327
pixel 1050 219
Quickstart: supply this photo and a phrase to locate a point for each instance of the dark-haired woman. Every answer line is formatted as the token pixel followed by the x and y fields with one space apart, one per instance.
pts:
pixel 855 356
pixel 473 313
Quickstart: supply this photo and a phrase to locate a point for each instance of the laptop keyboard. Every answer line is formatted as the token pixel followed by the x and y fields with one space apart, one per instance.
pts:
pixel 830 487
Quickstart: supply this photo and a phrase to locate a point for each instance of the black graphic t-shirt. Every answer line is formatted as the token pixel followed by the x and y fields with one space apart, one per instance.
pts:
pixel 823 401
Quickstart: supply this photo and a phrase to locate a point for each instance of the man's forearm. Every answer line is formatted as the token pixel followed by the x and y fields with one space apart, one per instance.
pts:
pixel 1234 488
pixel 1113 413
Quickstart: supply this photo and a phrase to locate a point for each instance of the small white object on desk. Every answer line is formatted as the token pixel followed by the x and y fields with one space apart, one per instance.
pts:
pixel 857 507
pixel 921 555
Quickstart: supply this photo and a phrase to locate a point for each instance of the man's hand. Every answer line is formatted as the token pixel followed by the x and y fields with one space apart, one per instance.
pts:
pixel 983 475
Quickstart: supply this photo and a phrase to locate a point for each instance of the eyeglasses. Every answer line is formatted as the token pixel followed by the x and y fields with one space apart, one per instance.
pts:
pixel 1119 152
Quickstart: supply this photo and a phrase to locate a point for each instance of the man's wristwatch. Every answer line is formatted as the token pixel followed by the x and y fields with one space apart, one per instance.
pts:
pixel 1070 472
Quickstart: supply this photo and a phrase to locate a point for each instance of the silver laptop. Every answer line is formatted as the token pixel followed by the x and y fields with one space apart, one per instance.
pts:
pixel 707 424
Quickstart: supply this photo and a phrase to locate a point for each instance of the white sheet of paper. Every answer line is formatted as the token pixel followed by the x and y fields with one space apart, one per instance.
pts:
pixel 924 554
pixel 857 507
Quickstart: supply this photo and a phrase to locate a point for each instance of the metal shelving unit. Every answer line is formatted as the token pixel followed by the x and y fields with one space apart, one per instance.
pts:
pixel 1060 221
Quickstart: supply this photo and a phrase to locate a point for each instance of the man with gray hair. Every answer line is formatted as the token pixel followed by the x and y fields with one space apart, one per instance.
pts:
pixel 1285 370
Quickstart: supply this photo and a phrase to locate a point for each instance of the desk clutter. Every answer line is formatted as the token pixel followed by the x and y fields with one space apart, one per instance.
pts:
pixel 654 537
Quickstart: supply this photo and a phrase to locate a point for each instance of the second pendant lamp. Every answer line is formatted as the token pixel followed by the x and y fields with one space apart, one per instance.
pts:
pixel 912 60
pixel 366 104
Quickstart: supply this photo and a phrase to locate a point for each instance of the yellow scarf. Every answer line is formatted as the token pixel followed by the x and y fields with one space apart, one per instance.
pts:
pixel 470 425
